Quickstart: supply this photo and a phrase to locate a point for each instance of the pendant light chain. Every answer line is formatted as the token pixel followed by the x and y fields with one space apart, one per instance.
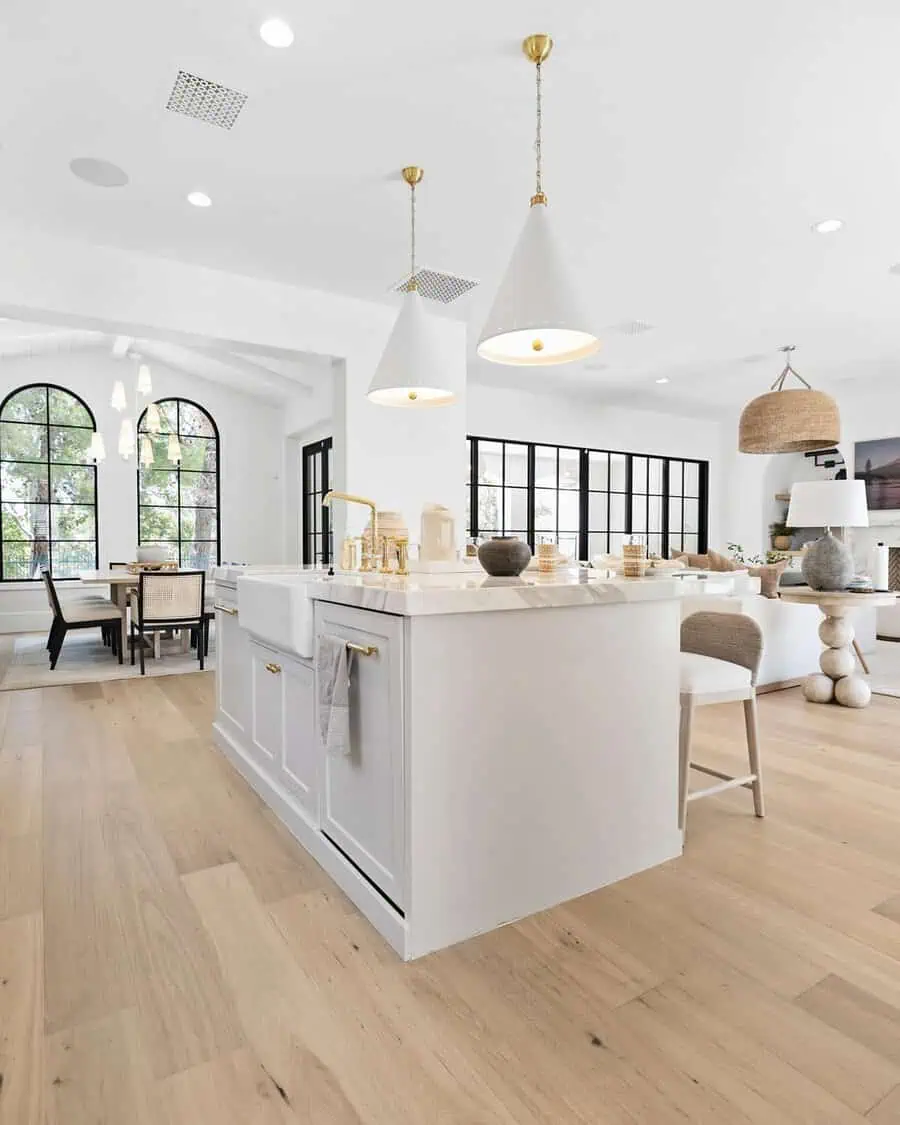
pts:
pixel 412 239
pixel 778 385
pixel 539 176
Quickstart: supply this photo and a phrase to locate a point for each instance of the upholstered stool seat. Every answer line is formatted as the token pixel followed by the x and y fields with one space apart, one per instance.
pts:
pixel 702 675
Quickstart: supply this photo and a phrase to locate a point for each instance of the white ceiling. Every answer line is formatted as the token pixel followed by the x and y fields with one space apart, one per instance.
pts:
pixel 688 149
pixel 276 380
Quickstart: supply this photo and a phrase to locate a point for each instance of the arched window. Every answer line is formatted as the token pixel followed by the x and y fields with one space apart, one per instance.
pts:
pixel 178 495
pixel 48 484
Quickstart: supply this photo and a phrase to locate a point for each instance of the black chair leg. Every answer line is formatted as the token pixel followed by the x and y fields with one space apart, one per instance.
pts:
pixel 132 642
pixel 201 645
pixel 54 629
pixel 116 641
pixel 57 645
pixel 141 646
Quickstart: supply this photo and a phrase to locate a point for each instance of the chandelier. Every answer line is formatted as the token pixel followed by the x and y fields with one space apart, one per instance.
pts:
pixel 129 425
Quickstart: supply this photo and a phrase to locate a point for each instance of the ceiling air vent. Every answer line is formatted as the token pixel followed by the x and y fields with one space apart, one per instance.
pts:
pixel 631 327
pixel 436 286
pixel 206 101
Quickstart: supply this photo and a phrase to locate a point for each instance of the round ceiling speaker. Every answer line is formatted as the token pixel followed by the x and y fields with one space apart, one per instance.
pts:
pixel 98 173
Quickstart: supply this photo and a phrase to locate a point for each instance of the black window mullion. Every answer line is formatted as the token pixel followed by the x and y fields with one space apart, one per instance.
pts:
pixel 583 502
pixel 703 505
pixel 666 551
pixel 529 511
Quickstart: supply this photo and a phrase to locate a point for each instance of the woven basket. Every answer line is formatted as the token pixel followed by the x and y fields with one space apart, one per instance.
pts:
pixel 792 421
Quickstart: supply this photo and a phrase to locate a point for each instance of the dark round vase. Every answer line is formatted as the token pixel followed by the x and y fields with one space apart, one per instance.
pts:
pixel 504 556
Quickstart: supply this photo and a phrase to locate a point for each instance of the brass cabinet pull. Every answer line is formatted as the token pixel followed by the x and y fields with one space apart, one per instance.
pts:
pixel 363 650
pixel 276 668
pixel 225 609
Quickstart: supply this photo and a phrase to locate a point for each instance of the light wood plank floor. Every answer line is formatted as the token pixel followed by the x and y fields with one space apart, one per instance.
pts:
pixel 168 956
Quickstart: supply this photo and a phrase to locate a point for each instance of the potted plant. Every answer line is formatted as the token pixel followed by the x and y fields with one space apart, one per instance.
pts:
pixel 781 536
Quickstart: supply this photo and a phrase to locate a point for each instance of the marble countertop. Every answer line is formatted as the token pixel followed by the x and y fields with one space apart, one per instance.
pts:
pixel 479 593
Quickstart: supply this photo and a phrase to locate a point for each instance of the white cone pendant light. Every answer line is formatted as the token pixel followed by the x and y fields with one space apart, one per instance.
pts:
pixel 536 319
pixel 415 369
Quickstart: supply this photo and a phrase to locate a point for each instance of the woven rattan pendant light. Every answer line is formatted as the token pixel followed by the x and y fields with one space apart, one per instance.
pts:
pixel 797 420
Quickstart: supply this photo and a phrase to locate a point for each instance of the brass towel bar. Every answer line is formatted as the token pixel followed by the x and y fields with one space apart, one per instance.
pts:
pixel 225 609
pixel 363 650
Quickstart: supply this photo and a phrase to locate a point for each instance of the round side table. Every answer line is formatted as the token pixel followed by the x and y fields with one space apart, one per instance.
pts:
pixel 838 682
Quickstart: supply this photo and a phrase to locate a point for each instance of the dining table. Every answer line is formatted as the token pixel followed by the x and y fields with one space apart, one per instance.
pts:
pixel 121 582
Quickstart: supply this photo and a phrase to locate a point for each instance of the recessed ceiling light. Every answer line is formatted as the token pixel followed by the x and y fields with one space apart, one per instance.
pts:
pixel 828 226
pixel 199 199
pixel 894 269
pixel 662 380
pixel 98 173
pixel 276 33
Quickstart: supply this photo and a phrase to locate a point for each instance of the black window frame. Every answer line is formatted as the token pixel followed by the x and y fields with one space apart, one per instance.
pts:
pixel 311 499
pixel 87 464
pixel 667 534
pixel 178 400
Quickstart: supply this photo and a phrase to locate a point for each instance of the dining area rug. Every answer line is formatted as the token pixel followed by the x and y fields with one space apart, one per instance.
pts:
pixel 85 659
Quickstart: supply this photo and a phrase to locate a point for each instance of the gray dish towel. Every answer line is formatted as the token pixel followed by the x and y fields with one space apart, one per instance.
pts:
pixel 333 677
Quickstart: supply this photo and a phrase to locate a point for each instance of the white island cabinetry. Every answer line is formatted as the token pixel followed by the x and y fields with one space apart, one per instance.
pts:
pixel 512 746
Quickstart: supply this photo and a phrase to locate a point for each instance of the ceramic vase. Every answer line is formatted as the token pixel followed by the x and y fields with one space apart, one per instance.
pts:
pixel 505 556
pixel 827 564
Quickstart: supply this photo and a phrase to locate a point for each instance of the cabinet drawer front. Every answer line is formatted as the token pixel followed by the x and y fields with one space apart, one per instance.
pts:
pixel 267 717
pixel 363 791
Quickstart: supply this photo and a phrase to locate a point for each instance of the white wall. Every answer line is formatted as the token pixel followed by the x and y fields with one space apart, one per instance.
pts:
pixel 559 419
pixel 250 433
pixel 401 458
pixel 751 482
pixel 868 416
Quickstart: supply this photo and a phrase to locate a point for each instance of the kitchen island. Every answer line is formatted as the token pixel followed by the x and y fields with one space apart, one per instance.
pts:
pixel 513 741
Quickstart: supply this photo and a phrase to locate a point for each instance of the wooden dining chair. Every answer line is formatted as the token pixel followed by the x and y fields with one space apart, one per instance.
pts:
pixel 168 601
pixel 720 656
pixel 79 615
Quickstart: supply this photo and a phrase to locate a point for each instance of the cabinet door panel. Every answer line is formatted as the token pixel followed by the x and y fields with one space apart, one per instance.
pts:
pixel 300 761
pixel 267 727
pixel 363 791
pixel 232 673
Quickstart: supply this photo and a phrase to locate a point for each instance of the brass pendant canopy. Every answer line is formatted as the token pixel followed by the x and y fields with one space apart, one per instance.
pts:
pixel 797 420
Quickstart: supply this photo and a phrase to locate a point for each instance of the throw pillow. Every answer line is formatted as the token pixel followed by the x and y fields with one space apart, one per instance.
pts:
pixel 768 577
pixel 694 562
pixel 722 563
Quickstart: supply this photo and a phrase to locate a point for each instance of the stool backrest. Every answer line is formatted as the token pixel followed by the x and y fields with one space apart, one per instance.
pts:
pixel 733 637
pixel 171 597
pixel 50 590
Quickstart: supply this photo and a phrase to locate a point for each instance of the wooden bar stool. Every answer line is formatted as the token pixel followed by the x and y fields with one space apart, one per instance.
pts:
pixel 720 655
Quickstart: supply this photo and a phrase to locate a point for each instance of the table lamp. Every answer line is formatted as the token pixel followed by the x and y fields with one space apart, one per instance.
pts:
pixel 828 563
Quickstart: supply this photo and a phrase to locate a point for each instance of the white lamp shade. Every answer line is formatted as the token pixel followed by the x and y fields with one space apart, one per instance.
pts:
pixel 118 400
pixel 536 319
pixel 828 503
pixel 97 450
pixel 146 452
pixel 416 369
pixel 144 382
pixel 154 425
pixel 174 450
